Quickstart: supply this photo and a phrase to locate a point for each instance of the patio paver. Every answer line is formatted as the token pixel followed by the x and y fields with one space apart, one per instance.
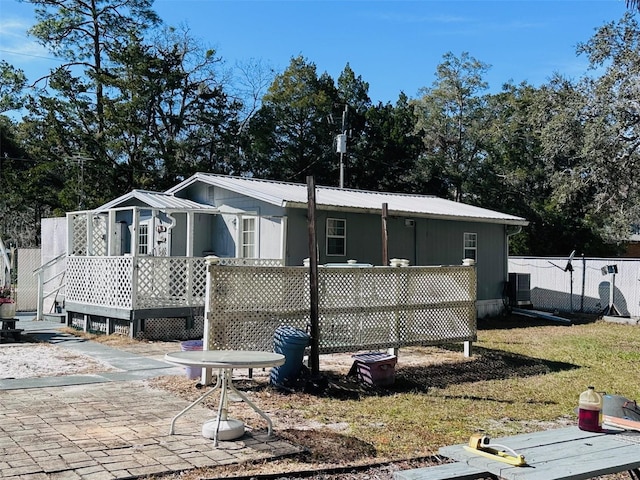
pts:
pixel 113 430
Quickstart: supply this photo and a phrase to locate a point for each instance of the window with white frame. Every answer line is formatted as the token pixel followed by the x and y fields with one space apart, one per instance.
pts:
pixel 248 237
pixel 143 239
pixel 336 237
pixel 470 246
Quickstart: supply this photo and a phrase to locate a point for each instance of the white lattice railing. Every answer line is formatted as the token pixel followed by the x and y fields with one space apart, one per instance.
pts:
pixel 359 308
pixel 136 283
pixel 88 233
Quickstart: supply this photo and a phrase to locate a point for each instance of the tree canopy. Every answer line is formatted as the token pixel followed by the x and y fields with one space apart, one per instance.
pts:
pixel 136 103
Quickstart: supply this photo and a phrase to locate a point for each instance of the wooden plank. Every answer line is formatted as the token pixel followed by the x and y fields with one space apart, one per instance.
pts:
pixel 14 333
pixel 11 330
pixel 578 467
pixel 447 471
pixel 567 453
pixel 385 235
pixel 8 323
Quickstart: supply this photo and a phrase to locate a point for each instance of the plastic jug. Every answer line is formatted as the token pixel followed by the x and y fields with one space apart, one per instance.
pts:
pixel 590 411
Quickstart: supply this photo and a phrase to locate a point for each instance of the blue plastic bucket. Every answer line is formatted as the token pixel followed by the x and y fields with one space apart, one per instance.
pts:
pixel 290 342
pixel 192 345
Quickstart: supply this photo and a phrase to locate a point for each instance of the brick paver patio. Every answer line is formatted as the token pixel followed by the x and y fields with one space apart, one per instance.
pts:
pixel 113 430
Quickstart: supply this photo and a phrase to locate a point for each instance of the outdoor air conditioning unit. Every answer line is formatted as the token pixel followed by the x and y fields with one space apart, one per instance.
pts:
pixel 519 290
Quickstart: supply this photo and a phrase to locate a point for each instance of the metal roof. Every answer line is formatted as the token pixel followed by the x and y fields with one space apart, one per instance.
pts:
pixel 158 200
pixel 331 198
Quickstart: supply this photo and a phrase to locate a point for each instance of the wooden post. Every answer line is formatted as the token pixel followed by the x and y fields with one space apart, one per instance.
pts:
pixel 385 244
pixel 314 357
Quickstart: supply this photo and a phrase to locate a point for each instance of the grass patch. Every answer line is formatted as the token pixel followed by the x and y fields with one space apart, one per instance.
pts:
pixel 524 375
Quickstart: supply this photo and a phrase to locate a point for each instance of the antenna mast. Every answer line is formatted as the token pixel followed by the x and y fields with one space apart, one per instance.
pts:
pixel 341 144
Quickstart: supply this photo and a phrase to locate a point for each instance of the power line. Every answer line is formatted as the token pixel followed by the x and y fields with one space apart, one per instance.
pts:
pixel 30 55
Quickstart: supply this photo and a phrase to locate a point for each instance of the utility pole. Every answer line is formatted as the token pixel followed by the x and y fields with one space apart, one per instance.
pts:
pixel 314 357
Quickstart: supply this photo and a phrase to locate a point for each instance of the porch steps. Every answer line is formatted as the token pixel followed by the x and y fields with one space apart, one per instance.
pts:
pixel 55 317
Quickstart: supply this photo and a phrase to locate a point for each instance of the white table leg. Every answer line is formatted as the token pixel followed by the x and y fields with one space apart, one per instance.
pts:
pixel 222 408
pixel 173 421
pixel 252 405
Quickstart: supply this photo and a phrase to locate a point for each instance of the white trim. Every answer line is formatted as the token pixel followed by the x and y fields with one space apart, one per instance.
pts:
pixel 143 232
pixel 134 234
pixel 327 236
pixel 111 233
pixel 474 248
pixel 89 240
pixel 256 236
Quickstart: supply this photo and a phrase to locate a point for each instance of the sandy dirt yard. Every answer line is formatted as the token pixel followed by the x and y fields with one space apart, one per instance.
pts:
pixel 29 360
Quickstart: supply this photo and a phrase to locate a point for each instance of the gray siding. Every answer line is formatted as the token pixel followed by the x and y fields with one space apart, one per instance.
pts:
pixel 297 237
pixel 179 235
pixel 225 231
pixel 224 244
pixel 443 245
pixel 421 241
pixel 203 240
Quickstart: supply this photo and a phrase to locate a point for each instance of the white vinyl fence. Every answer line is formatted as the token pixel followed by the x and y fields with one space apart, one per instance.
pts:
pixel 27 291
pixel 586 289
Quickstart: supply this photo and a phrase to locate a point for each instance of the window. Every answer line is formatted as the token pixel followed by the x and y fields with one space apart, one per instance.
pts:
pixel 336 236
pixel 143 239
pixel 470 246
pixel 249 237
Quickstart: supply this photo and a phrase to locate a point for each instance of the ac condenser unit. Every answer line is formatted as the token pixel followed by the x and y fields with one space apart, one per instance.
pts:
pixel 519 290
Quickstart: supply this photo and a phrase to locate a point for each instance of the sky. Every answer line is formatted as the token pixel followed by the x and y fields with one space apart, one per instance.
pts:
pixel 395 46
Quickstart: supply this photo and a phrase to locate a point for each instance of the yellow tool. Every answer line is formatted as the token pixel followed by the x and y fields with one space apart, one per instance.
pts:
pixel 481 444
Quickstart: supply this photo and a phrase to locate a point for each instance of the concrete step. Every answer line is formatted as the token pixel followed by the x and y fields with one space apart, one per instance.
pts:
pixel 55 317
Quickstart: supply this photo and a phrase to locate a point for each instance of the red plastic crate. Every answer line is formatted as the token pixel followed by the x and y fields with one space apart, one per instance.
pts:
pixel 375 368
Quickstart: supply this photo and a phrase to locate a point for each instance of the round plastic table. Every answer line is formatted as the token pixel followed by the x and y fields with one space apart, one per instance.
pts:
pixel 223 427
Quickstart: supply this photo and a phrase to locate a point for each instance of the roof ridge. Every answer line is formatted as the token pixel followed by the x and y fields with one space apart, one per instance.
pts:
pixel 324 187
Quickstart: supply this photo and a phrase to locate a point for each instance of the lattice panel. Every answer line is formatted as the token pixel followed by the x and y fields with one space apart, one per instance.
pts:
pixel 97 325
pixel 170 282
pixel 259 288
pixel 161 281
pixel 122 328
pixel 99 235
pixel 77 321
pixel 359 308
pixel 172 329
pixel 104 281
pixel 250 262
pixel 78 234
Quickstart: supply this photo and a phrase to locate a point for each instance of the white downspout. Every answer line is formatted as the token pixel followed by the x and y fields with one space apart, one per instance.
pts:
pixel 517 230
pixel 283 240
pixel 190 227
pixel 153 246
pixel 169 231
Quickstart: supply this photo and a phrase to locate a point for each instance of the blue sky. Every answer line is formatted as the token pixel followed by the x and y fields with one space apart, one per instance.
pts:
pixel 394 45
